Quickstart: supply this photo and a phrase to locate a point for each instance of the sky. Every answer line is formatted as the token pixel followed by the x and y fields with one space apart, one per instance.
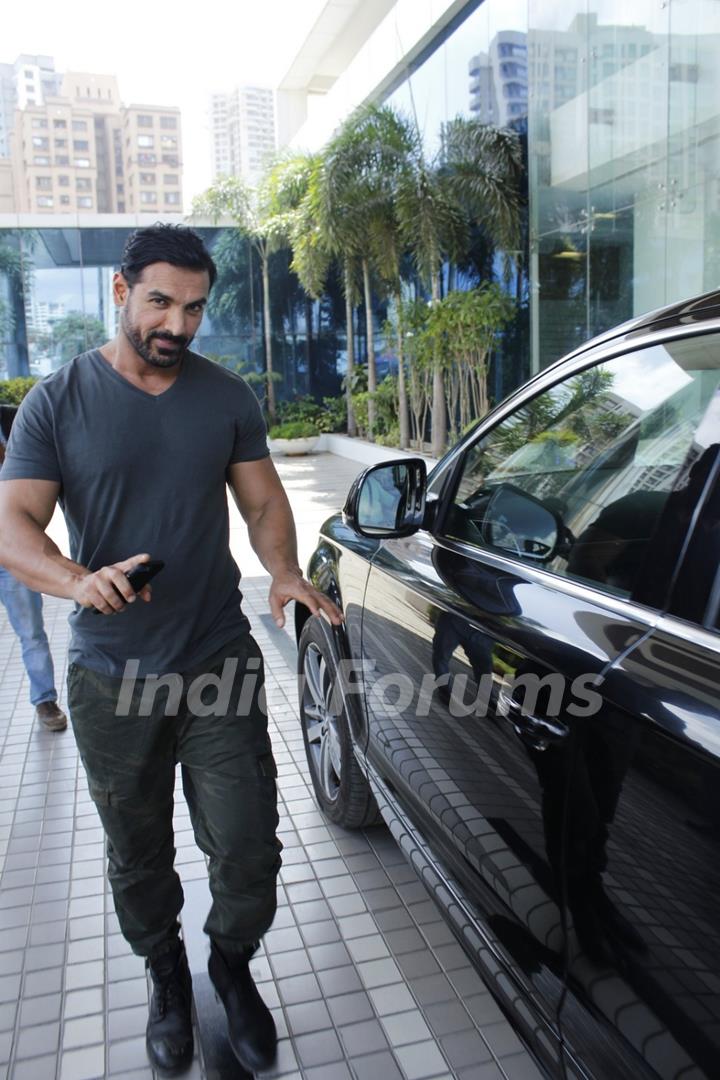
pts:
pixel 166 54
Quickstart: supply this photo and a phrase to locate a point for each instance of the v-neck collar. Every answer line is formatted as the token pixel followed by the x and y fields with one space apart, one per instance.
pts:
pixel 99 360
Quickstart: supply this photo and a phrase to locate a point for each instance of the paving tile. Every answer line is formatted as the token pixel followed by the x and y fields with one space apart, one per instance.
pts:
pixel 34 1041
pixel 84 1002
pixel 421 1060
pixel 78 976
pixel 127 1054
pixel 39 1068
pixel 307 1017
pixel 363 1038
pixel 489 1071
pixel 406 1027
pixel 417 964
pixel 378 972
pixel 40 1010
pixel 296 962
pixel 318 1048
pixel 129 992
pixel 448 1017
pixel 8 1014
pixel 86 1064
pixel 84 1031
pixel 392 999
pixel 336 1071
pixel 464 1049
pixel 521 1067
pixel 126 1023
pixel 348 1008
pixel 374 1066
pixel 340 980
pixel 43 982
pixel 299 988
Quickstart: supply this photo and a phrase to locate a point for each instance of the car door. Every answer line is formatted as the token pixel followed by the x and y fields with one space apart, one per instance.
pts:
pixel 503 634
pixel 656 976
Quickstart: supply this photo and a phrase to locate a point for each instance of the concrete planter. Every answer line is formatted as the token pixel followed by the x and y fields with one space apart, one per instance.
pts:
pixel 294 447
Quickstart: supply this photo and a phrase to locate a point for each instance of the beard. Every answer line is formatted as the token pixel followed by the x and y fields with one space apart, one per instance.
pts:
pixel 174 348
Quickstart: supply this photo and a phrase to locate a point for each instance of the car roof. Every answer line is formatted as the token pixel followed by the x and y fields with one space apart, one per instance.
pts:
pixel 691 312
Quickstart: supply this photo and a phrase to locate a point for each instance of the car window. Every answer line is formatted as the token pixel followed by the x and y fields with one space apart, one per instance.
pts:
pixel 576 479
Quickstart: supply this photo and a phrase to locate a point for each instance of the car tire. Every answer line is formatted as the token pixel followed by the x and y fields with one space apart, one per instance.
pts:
pixel 341 789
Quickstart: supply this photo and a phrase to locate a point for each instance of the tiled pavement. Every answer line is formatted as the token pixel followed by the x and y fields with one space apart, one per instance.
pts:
pixel 363 975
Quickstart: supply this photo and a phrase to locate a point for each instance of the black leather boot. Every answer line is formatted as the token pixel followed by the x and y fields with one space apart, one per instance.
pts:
pixel 251 1028
pixel 169 1037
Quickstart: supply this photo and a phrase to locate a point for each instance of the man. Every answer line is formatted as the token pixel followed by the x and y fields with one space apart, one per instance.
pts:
pixel 24 610
pixel 137 440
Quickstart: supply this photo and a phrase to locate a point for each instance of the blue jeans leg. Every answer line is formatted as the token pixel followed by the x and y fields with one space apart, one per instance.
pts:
pixel 24 609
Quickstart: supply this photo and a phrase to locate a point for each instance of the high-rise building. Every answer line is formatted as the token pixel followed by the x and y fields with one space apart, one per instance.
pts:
pixel 26 82
pixel 499 80
pixel 243 131
pixel 82 150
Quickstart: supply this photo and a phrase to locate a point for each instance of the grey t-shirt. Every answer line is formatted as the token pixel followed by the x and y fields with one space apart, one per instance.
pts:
pixel 139 473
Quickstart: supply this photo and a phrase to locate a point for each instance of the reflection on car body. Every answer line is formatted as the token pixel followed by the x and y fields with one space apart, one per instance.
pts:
pixel 570 542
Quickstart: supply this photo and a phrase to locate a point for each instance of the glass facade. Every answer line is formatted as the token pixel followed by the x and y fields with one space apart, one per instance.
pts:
pixel 624 111
pixel 621 107
pixel 56 301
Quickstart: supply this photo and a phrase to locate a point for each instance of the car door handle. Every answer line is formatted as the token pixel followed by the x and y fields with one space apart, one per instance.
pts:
pixel 539 731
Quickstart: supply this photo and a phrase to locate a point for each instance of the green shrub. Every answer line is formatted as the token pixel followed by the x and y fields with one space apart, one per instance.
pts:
pixel 329 416
pixel 389 438
pixel 12 391
pixel 333 414
pixel 302 408
pixel 295 429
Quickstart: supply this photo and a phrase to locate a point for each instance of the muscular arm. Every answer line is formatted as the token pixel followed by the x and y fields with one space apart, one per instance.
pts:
pixel 26 507
pixel 261 499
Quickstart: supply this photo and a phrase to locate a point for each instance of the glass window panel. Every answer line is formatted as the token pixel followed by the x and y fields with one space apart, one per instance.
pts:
pixel 576 479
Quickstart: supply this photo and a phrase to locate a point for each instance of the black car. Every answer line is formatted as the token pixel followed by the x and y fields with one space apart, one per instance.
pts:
pixel 526 689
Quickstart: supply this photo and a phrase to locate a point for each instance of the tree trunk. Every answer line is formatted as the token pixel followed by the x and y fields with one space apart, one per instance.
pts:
pixel 439 415
pixel 272 412
pixel 370 332
pixel 253 327
pixel 402 387
pixel 350 370
pixel 309 358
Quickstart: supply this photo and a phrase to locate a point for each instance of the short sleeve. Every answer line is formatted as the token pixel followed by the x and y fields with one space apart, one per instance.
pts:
pixel 31 451
pixel 250 430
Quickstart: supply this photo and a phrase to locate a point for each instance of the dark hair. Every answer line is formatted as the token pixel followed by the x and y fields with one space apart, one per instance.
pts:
pixel 178 245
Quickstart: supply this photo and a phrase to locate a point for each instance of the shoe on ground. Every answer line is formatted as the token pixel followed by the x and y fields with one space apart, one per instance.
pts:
pixel 251 1028
pixel 51 716
pixel 169 1037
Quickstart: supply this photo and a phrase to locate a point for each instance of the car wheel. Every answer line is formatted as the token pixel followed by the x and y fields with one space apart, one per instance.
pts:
pixel 341 789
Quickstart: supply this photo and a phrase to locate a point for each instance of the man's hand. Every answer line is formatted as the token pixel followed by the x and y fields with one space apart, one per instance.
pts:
pixel 293 586
pixel 108 589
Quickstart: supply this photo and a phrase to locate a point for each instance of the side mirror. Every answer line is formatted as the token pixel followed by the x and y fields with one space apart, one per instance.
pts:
pixel 521 525
pixel 388 499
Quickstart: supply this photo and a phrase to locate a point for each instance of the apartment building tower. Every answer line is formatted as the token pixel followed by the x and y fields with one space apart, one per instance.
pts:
pixel 81 151
pixel 243 132
pixel 26 82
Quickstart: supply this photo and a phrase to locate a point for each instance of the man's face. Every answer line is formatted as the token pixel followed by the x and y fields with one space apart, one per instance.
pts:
pixel 162 311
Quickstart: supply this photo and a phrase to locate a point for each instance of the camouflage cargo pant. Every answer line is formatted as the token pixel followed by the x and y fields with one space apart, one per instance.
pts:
pixel 213 721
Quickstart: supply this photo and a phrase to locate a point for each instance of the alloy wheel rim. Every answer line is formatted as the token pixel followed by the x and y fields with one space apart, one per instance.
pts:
pixel 321 725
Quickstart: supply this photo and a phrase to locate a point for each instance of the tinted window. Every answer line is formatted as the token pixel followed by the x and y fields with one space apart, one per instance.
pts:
pixel 589 464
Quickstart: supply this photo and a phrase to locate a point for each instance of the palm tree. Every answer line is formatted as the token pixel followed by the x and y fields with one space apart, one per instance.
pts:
pixel 362 168
pixel 315 243
pixel 258 214
pixel 474 179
